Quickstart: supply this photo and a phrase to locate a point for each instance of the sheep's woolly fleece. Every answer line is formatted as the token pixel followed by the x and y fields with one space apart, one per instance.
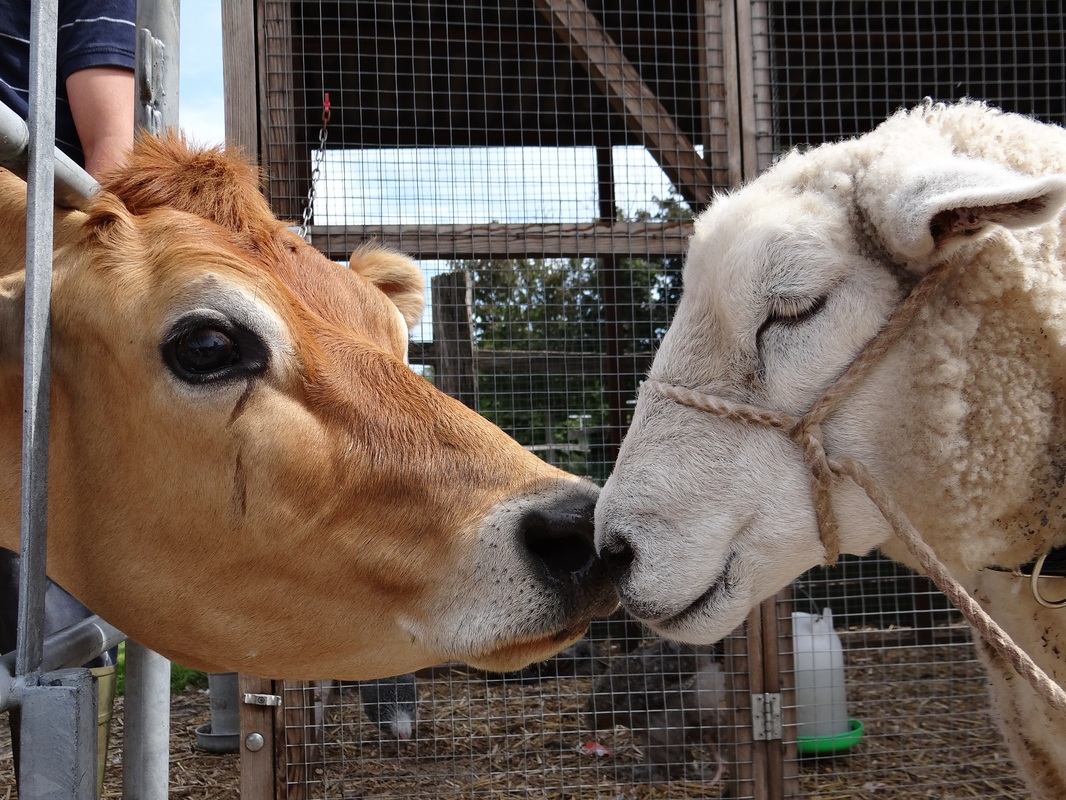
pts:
pixel 999 323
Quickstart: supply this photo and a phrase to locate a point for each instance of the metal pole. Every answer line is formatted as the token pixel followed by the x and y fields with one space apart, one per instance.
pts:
pixel 81 642
pixel 146 741
pixel 146 734
pixel 73 185
pixel 44 23
pixel 58 708
pixel 157 65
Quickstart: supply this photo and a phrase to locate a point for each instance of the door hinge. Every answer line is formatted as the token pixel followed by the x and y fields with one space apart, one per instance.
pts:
pixel 253 699
pixel 766 716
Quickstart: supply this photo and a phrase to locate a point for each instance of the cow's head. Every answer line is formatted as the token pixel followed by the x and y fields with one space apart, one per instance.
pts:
pixel 785 283
pixel 245 474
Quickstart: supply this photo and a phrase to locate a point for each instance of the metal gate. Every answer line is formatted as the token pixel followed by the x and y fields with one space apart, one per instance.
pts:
pixel 57 702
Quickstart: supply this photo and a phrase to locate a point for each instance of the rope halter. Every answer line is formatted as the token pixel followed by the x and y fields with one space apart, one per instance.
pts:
pixel 806 432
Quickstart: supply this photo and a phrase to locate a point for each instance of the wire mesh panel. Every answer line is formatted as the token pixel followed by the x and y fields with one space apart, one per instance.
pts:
pixel 912 677
pixel 914 720
pixel 623 716
pixel 837 69
pixel 542 161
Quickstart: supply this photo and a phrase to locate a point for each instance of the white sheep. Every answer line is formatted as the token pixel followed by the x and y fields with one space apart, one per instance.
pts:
pixel 961 420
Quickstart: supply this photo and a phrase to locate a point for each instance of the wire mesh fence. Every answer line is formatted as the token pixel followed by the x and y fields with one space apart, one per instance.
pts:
pixel 543 161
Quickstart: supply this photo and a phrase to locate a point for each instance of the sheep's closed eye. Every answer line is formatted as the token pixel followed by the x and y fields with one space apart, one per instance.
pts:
pixel 790 311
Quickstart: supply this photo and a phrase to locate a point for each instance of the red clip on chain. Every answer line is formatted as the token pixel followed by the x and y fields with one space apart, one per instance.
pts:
pixel 325 109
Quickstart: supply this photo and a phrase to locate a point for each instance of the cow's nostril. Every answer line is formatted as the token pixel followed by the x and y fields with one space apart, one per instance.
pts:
pixel 618 556
pixel 561 539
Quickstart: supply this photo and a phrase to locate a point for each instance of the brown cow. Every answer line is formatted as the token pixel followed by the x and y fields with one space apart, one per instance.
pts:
pixel 245 475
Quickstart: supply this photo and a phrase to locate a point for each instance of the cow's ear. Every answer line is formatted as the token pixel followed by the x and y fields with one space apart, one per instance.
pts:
pixel 12 321
pixel 394 274
pixel 927 213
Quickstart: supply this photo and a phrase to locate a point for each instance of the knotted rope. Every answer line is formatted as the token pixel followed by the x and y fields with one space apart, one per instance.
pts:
pixel 806 432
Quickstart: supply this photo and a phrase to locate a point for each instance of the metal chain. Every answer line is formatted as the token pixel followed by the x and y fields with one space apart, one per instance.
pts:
pixel 312 190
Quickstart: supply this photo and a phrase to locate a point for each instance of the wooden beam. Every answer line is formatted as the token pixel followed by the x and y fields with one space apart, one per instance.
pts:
pixel 753 44
pixel 238 76
pixel 454 372
pixel 497 240
pixel 257 740
pixel 287 168
pixel 731 70
pixel 762 136
pixel 742 652
pixel 630 96
pixel 531 362
pixel 713 90
pixel 780 678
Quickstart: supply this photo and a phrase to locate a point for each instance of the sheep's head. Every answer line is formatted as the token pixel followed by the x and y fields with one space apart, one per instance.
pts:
pixel 785 283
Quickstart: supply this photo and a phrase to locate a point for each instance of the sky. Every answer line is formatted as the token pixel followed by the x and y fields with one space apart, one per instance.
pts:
pixel 200 103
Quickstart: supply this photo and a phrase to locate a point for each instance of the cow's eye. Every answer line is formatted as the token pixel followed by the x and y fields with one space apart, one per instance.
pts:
pixel 205 350
pixel 202 350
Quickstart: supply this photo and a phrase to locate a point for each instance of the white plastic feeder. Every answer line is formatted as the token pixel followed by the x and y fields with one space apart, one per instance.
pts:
pixel 821 706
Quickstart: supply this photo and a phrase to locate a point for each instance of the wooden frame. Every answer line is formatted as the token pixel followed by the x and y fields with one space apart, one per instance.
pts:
pixel 737 114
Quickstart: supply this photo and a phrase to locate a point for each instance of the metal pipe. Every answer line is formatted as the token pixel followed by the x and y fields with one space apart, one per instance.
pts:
pixel 44 24
pixel 58 753
pixel 146 742
pixel 72 185
pixel 158 25
pixel 146 725
pixel 70 647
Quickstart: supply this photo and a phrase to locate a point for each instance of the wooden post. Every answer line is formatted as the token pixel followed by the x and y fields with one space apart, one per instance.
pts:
pixel 238 74
pixel 453 336
pixel 302 739
pixel 287 166
pixel 610 280
pixel 759 663
pixel 257 740
pixel 753 75
pixel 715 91
pixel 742 663
pixel 780 678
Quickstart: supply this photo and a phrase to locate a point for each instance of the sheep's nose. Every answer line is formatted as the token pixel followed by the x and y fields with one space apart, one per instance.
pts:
pixel 559 536
pixel 617 555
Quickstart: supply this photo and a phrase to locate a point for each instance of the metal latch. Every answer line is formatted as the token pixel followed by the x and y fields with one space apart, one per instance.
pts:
pixel 766 716
pixel 252 699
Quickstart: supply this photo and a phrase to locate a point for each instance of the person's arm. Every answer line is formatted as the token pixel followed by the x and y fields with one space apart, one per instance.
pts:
pixel 101 101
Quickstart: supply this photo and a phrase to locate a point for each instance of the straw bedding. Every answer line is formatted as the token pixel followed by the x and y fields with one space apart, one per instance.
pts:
pixel 928 735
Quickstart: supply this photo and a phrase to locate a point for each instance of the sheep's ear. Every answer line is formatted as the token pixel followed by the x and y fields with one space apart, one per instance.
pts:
pixel 12 321
pixel 935 209
pixel 394 274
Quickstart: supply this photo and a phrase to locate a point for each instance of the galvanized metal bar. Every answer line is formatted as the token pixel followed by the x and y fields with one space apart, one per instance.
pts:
pixel 58 759
pixel 44 23
pixel 146 742
pixel 58 730
pixel 72 184
pixel 157 65
pixel 146 725
pixel 70 647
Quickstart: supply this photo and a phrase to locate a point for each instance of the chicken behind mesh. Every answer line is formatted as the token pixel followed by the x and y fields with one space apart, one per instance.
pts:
pixel 391 703
pixel 672 696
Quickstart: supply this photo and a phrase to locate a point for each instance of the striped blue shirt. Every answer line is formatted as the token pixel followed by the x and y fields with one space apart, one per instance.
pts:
pixel 92 33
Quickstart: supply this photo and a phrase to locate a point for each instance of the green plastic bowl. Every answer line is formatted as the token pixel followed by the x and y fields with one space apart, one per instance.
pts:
pixel 820 745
